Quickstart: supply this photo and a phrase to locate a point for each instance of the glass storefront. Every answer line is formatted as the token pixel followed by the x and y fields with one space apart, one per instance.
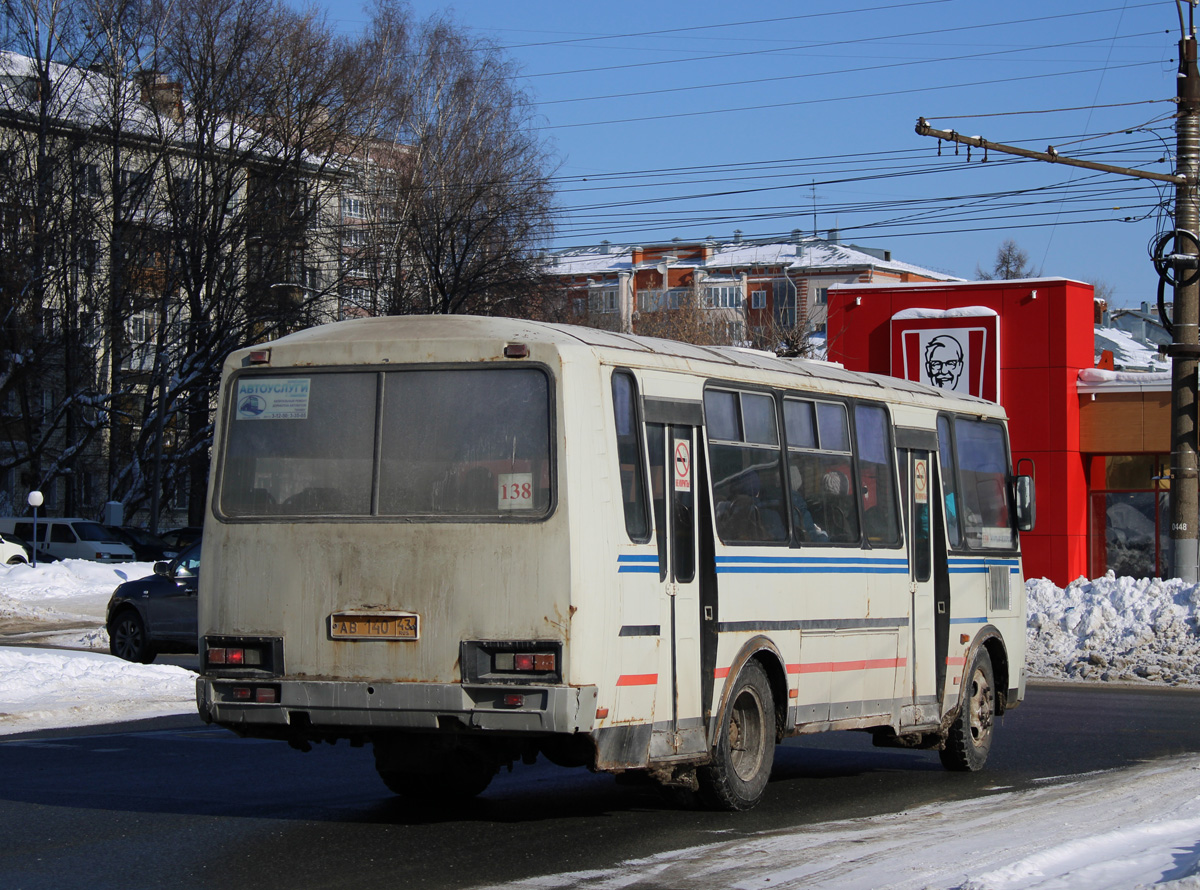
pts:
pixel 1129 518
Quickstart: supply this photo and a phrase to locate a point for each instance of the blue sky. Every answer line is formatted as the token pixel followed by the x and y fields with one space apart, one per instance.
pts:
pixel 695 119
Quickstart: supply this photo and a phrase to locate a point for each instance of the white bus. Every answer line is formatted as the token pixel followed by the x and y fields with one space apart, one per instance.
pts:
pixel 470 541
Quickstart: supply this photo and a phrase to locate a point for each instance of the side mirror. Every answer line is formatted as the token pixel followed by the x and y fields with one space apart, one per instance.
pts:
pixel 162 568
pixel 1026 503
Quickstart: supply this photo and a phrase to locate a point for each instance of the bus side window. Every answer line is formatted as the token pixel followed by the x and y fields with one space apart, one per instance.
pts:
pixel 629 456
pixel 818 441
pixel 949 478
pixel 981 453
pixel 877 475
pixel 747 479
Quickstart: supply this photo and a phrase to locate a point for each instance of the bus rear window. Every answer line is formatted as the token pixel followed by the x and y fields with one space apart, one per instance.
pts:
pixel 434 443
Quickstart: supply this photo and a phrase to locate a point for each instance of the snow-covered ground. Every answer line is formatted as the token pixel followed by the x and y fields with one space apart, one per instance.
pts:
pixel 1122 829
pixel 62 604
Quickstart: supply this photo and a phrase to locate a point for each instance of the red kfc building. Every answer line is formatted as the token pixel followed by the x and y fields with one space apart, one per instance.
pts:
pixel 1099 441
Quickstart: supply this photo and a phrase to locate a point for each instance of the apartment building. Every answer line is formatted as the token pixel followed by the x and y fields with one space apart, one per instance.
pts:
pixel 139 243
pixel 749 288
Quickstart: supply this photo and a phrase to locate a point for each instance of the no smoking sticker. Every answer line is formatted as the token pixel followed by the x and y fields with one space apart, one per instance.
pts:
pixel 683 465
pixel 921 482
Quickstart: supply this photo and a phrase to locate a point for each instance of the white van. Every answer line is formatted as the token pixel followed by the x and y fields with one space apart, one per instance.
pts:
pixel 69 538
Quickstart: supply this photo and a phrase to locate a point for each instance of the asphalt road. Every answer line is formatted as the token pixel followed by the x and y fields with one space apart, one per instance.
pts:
pixel 172 803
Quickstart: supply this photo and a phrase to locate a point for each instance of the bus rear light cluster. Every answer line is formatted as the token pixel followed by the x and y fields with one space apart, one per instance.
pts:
pixel 263 695
pixel 541 662
pixel 526 662
pixel 236 656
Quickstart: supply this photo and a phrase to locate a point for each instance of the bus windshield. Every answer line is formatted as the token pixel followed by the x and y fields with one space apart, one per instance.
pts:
pixel 436 443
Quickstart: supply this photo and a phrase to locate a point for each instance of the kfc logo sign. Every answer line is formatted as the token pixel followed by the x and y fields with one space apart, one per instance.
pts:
pixel 944 361
pixel 955 349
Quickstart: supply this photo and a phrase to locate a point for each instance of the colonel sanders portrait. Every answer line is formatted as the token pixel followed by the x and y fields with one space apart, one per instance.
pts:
pixel 943 361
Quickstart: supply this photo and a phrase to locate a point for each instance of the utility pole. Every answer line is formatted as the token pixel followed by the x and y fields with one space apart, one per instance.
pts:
pixel 1185 342
pixel 1181 267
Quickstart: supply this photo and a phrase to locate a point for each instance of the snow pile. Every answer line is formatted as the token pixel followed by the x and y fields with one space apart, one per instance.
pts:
pixel 51 688
pixel 1115 629
pixel 69 589
pixel 1119 830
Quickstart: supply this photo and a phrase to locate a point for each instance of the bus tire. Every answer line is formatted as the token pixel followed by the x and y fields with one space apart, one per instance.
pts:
pixel 741 763
pixel 970 735
pixel 449 777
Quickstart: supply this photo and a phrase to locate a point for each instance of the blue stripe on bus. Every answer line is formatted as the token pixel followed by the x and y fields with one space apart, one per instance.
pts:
pixel 635 562
pixel 980 565
pixel 968 621
pixel 790 565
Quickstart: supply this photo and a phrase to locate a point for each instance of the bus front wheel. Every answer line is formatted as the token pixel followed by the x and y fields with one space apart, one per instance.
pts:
pixel 970 736
pixel 745 750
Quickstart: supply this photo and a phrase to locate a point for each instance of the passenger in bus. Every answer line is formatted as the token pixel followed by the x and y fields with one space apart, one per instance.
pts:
pixel 838 507
pixel 802 519
pixel 742 517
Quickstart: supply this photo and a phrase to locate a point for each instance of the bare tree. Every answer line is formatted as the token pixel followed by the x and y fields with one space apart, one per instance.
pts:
pixel 270 97
pixel 46 355
pixel 1011 262
pixel 467 202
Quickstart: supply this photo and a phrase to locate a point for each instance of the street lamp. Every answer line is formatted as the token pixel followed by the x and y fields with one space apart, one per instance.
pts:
pixel 35 501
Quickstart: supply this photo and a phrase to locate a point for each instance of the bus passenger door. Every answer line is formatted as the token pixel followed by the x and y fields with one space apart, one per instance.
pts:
pixel 917 475
pixel 675 483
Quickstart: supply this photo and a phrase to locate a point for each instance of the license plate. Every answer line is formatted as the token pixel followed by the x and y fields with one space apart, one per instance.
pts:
pixel 373 626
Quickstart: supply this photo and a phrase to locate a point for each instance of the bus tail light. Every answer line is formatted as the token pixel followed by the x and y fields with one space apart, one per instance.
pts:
pixel 242 655
pixel 539 662
pixel 262 695
pixel 235 656
pixel 512 661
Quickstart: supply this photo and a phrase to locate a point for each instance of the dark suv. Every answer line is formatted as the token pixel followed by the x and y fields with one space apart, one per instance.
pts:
pixel 156 613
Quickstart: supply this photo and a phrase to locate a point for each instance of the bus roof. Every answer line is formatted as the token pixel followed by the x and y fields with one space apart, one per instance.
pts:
pixel 366 341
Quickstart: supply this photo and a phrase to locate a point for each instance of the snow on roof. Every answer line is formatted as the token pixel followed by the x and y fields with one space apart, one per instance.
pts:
pixel 1130 353
pixel 1092 380
pixel 962 312
pixel 960 283
pixel 89 99
pixel 808 253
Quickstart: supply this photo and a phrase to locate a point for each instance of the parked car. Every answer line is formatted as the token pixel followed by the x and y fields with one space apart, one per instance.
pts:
pixel 156 613
pixel 13 550
pixel 145 546
pixel 178 538
pixel 70 538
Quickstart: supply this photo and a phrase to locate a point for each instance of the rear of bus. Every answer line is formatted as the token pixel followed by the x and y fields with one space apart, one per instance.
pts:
pixel 383 494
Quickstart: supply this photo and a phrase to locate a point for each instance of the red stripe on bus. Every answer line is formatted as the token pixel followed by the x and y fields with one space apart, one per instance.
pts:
pixel 721 673
pixel 867 664
pixel 637 680
pixel 956 661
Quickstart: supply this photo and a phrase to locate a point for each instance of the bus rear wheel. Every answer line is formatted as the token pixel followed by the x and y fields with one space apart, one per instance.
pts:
pixel 745 750
pixel 432 774
pixel 970 736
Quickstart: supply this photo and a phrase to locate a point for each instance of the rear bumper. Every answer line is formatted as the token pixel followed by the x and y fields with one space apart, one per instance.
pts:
pixel 342 707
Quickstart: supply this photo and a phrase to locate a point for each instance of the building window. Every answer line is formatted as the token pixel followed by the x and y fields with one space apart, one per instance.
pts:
pixel 603 299
pixel 650 300
pixel 89 252
pixel 352 208
pixel 87 180
pixel 758 299
pixel 723 297
pixel 821 295
pixel 133 185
